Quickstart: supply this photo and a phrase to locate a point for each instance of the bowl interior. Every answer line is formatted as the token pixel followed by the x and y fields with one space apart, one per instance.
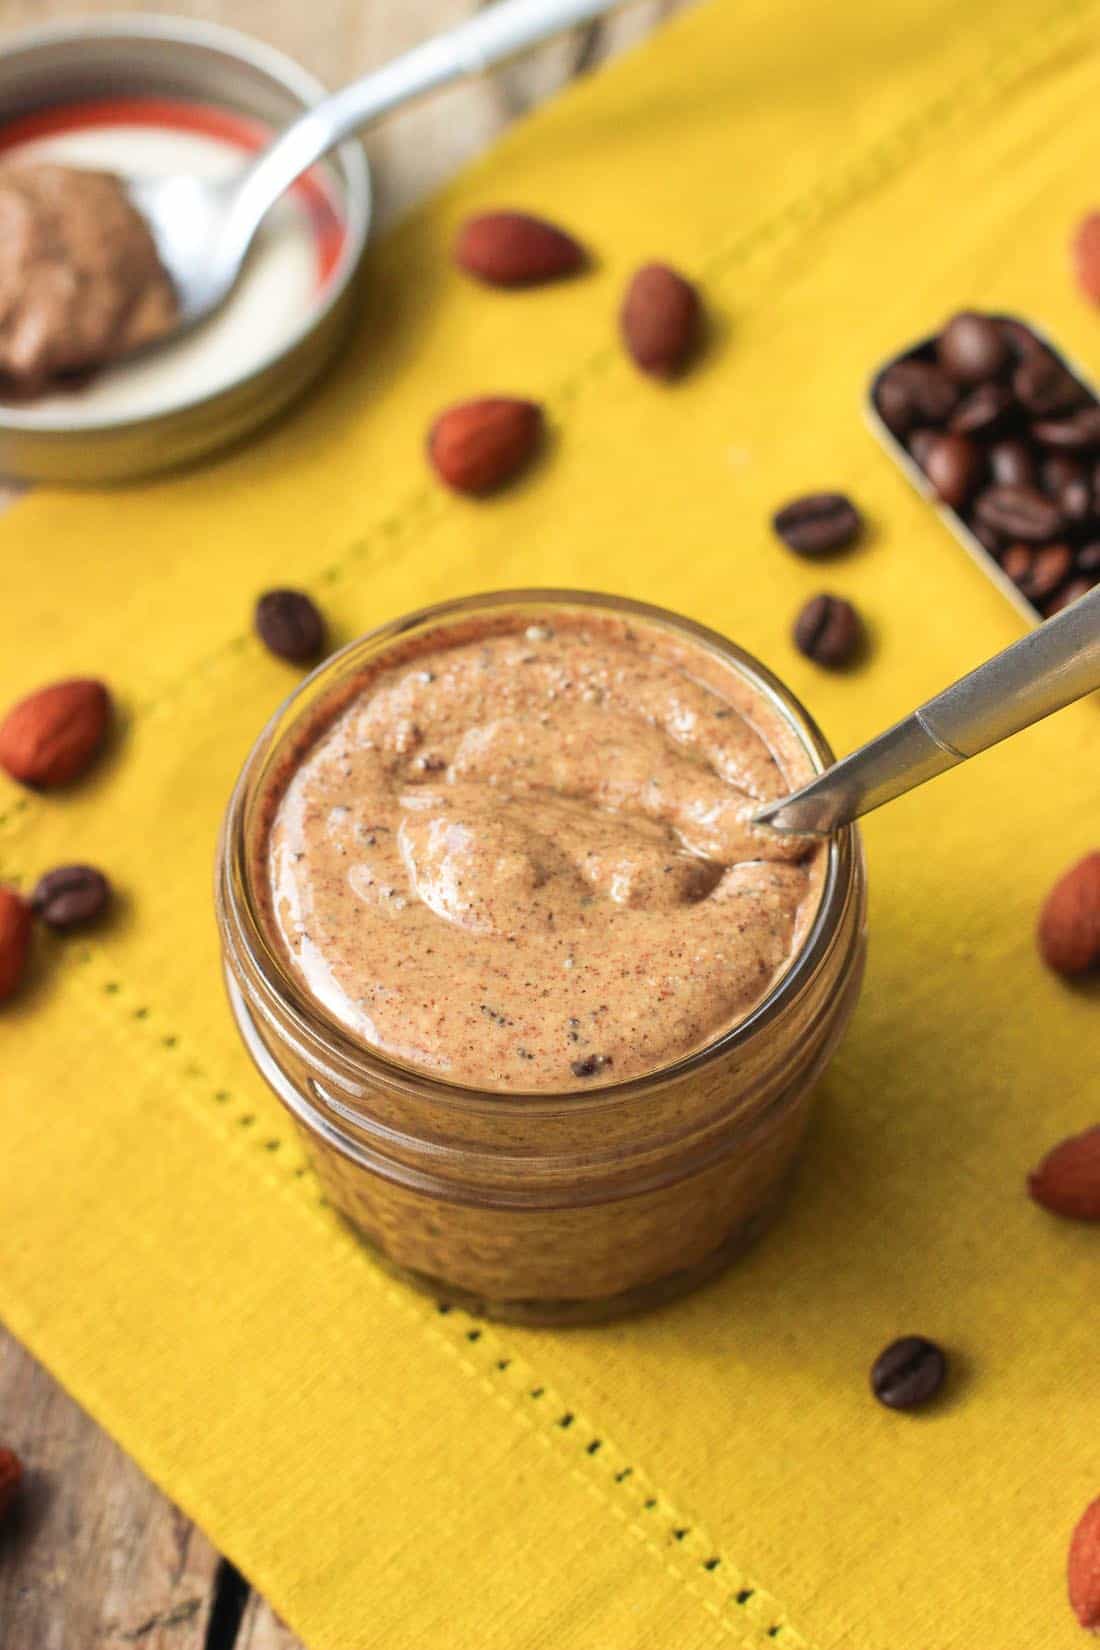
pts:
pixel 180 63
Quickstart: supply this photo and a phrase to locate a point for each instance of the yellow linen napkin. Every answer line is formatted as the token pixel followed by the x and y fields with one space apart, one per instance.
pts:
pixel 839 178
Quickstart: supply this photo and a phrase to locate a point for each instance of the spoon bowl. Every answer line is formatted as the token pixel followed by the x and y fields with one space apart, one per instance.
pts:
pixel 187 216
pixel 1049 668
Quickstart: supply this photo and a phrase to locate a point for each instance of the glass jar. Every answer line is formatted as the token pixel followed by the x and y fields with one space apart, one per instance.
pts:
pixel 541 1208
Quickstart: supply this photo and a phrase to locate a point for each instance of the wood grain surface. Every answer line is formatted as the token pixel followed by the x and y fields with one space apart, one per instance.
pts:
pixel 93 1557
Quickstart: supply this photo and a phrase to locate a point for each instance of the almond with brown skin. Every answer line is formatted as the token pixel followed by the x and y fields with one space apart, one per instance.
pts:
pixel 479 446
pixel 1083 1570
pixel 1067 1181
pixel 1069 923
pixel 15 938
pixel 1085 256
pixel 516 249
pixel 661 320
pixel 52 736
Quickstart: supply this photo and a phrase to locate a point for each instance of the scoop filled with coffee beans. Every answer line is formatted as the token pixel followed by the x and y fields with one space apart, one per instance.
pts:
pixel 991 420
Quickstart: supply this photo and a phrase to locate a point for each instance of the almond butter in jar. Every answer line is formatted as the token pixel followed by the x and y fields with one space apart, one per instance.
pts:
pixel 499 932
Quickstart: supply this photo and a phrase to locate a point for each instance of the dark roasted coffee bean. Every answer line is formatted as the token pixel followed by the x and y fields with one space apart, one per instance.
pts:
pixel 908 1372
pixel 1020 339
pixel 290 625
pixel 829 631
pixel 1066 480
pixel 982 410
pixel 1019 512
pixel 1012 463
pixel 1017 562
pixel 920 444
pixel 1070 592
pixel 1075 500
pixel 986 537
pixel 1057 470
pixel 1074 434
pixel 914 392
pixel 1049 569
pixel 818 524
pixel 1087 558
pixel 70 896
pixel 972 348
pixel 1045 387
pixel 894 402
pixel 954 466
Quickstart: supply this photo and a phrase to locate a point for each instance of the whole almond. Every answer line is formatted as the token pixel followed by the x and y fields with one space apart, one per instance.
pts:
pixel 15 937
pixel 661 320
pixel 52 736
pixel 1083 1570
pixel 1069 923
pixel 1085 255
pixel 11 1476
pixel 1067 1181
pixel 478 446
pixel 516 249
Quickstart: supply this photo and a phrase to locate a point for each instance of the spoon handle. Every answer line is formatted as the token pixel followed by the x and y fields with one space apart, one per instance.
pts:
pixel 1044 670
pixel 490 37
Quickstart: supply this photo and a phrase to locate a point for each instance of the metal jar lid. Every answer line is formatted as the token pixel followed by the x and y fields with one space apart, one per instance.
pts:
pixel 174 58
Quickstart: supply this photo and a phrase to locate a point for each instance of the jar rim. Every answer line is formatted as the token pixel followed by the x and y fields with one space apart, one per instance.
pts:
pixel 245 933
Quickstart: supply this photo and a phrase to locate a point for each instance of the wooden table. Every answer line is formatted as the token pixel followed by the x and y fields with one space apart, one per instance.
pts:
pixel 94 1557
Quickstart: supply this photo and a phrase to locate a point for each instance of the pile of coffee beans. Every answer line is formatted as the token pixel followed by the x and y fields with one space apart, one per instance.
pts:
pixel 1009 439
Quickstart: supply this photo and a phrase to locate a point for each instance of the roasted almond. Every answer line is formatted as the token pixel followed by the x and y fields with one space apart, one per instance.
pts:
pixel 15 938
pixel 11 1476
pixel 478 446
pixel 52 736
pixel 1085 256
pixel 661 320
pixel 516 249
pixel 1067 1181
pixel 1069 923
pixel 1083 1570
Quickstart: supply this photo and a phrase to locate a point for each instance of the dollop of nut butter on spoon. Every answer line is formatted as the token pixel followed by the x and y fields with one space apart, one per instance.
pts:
pixel 203 228
pixel 1050 667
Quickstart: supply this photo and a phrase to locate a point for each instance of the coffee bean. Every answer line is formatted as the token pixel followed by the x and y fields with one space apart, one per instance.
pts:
pixel 908 1372
pixel 1045 387
pixel 1020 339
pixel 1075 500
pixel 1057 470
pixel 972 348
pixel 829 631
pixel 289 624
pixel 1017 563
pixel 70 896
pixel 982 410
pixel 1019 512
pixel 921 443
pixel 818 524
pixel 954 466
pixel 1071 592
pixel 986 537
pixel 1012 463
pixel 1066 480
pixel 1050 567
pixel 1074 434
pixel 914 392
pixel 1087 559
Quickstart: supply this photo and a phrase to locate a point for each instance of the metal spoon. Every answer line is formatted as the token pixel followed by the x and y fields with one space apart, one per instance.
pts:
pixel 1049 668
pixel 203 229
